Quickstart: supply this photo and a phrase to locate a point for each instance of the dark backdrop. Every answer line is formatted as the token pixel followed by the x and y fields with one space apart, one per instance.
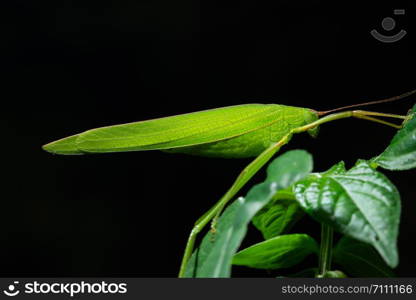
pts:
pixel 74 65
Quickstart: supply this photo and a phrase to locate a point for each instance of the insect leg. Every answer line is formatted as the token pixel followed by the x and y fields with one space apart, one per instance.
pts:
pixel 378 114
pixel 365 117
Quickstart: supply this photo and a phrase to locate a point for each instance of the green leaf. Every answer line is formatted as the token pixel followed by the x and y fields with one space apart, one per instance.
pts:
pixel 282 212
pixel 279 252
pixel 359 259
pixel 401 153
pixel 213 257
pixel 361 203
pixel 289 168
pixel 277 217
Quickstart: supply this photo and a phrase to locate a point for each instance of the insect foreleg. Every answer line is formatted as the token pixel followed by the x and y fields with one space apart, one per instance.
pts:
pixel 377 114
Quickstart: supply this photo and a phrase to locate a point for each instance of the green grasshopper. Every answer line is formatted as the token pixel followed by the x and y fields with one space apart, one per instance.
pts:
pixel 249 130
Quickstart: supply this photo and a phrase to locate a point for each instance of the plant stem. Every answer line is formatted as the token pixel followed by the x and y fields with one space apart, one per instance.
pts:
pixel 325 253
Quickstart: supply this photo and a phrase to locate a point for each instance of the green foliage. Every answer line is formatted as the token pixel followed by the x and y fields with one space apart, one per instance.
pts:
pixel 288 168
pixel 401 153
pixel 359 259
pixel 282 211
pixel 279 252
pixel 213 258
pixel 361 203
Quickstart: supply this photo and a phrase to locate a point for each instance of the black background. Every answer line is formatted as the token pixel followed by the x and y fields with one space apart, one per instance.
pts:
pixel 74 65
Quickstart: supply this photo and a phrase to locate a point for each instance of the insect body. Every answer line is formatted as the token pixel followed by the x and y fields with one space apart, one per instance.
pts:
pixel 230 132
pixel 277 121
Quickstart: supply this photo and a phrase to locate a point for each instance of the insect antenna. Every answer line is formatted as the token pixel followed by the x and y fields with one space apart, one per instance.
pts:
pixel 391 99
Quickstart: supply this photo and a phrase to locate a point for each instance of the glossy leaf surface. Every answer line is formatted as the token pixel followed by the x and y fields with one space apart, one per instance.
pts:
pixel 361 203
pixel 401 153
pixel 279 252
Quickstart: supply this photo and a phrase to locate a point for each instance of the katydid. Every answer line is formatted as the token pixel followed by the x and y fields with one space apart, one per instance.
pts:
pixel 249 130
